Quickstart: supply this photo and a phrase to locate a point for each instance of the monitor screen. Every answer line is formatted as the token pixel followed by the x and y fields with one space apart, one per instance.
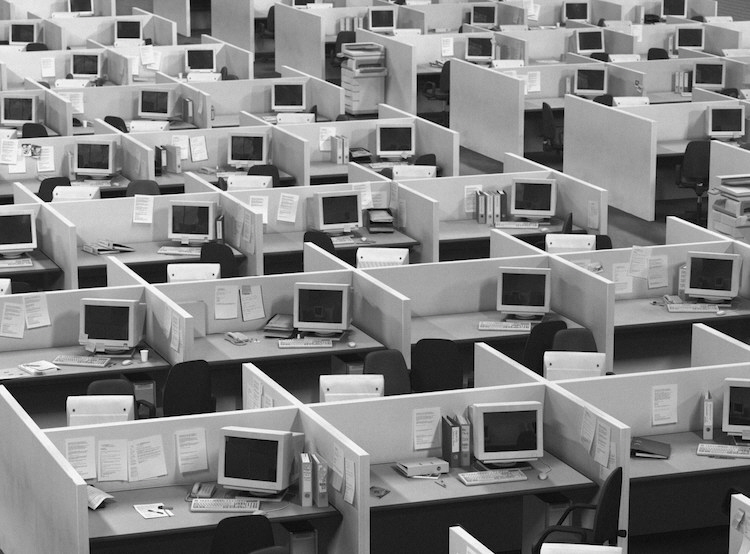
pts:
pixel 710 76
pixel 85 66
pixel 713 276
pixel 689 37
pixel 17 232
pixel 736 407
pixel 395 140
pixel 22 33
pixel 336 212
pixel 382 19
pixel 533 198
pixel 81 7
pixel 17 110
pixel 191 221
pixel 478 49
pixel 523 291
pixel 590 82
pixel 156 104
pixel 261 461
pixel 203 59
pixel 288 97
pixel 322 308
pixel 94 158
pixel 128 30
pixel 589 41
pixel 507 432
pixel 575 11
pixel 677 8
pixel 247 149
pixel 483 16
pixel 110 324
pixel 725 122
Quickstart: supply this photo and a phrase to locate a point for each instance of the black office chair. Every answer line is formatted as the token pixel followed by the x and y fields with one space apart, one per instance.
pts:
pixel 36 47
pixel 116 122
pixel 222 254
pixel 387 172
pixel 435 366
pixel 121 386
pixel 603 242
pixel 267 29
pixel 693 172
pixel 552 133
pixel 600 56
pixel 343 37
pixel 143 186
pixel 538 342
pixel 321 239
pixel 391 364
pixel 226 76
pixel 442 89
pixel 605 99
pixel 426 159
pixel 605 528
pixel 20 287
pixel 567 227
pixel 269 170
pixel 344 117
pixel 730 91
pixel 578 339
pixel 187 389
pixel 33 130
pixel 657 54
pixel 242 535
pixel 48 185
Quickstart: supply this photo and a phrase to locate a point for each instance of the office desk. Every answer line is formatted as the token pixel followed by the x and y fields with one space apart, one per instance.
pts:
pixel 117 527
pixel 409 517
pixel 671 147
pixel 668 96
pixel 41 275
pixel 109 188
pixel 535 104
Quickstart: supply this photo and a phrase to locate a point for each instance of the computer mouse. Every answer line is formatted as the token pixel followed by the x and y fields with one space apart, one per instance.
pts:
pixel 363 239
pixel 127 362
pixel 543 475
pixel 351 344
pixel 720 312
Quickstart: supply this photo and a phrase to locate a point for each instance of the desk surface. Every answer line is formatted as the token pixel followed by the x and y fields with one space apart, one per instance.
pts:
pixel 535 103
pixel 40 263
pixel 291 243
pixel 456 230
pixel 668 96
pixel 640 312
pixel 144 253
pixel 672 147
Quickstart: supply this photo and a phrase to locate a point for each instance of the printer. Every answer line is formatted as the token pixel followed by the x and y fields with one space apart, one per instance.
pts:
pixel 730 210
pixel 363 73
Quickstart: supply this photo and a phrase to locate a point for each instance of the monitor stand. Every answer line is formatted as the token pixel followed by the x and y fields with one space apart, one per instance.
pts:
pixel 487 466
pixel 263 497
pixel 336 336
pixel 13 255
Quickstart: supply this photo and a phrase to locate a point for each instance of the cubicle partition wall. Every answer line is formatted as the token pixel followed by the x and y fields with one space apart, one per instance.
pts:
pixel 120 275
pixel 235 23
pixel 503 245
pixel 260 391
pixel 56 236
pixel 76 32
pixel 679 231
pixel 292 153
pixel 417 216
pixel 314 258
pixel 328 98
pixel 122 101
pixel 239 62
pixel 493 368
pixel 727 35
pixel 300 36
pixel 170 329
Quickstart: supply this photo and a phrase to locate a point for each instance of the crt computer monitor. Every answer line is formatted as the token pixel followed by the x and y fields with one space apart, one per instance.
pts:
pixel 200 59
pixel 382 19
pixel 478 49
pixel 259 461
pixel 689 37
pixel 86 65
pixel 17 232
pixel 589 41
pixel 735 419
pixel 677 8
pixel 81 7
pixel 94 159
pixel 709 75
pixel 506 432
pixel 713 276
pixel 247 149
pixel 128 30
pixel 523 292
pixel 16 110
pixel 288 97
pixel 110 324
pixel 482 16
pixel 590 81
pixel 575 10
pixel 23 33
pixel 156 104
pixel 725 122
pixel 191 221
pixel 532 198
pixel 322 308
pixel 336 212
pixel 395 140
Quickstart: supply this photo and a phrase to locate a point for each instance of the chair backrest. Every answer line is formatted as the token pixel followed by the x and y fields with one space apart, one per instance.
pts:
pixel 222 254
pixel 321 239
pixel 343 37
pixel 337 387
pixel 426 159
pixel 730 91
pixel 539 341
pixel 118 385
pixel 578 339
pixel 242 534
pixel 603 242
pixel 108 408
pixel 31 130
pixel 436 365
pixel 373 256
pixel 271 19
pixel 391 365
pixel 568 224
pixel 601 56
pixel 607 514
pixel 696 160
pixel 187 389
pixel 445 77
pixel 605 99
pixel 143 186
pixel 177 273
pixel 266 169
pixel 548 121
pixel 657 54
pixel 47 186
pixel 116 122
pixel 36 47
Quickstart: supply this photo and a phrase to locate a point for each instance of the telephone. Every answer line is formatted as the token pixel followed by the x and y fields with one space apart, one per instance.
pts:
pixel 203 490
pixel 236 337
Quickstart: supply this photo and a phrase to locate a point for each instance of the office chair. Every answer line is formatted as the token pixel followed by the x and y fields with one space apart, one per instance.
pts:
pixel 226 76
pixel 657 54
pixel 600 56
pixel 606 516
pixel 603 242
pixel 187 389
pixel 442 89
pixel 436 366
pixel 693 172
pixel 267 28
pixel 426 159
pixel 48 185
pixel 387 172
pixel 344 117
pixel 567 227
pixel 120 385
pixel 552 133
pixel 268 170
pixel 45 84
pixel 343 37
pixel 143 186
pixel 33 130
pixel 730 91
pixel 321 239
pixel 605 99
pixel 20 287
pixel 222 254
pixel 538 342
pixel 36 47
pixel 242 534
pixel 116 122
pixel 578 339
pixel 391 365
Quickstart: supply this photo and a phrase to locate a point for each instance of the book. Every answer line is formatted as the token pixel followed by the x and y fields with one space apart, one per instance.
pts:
pixel 641 447
pixel 465 432
pixel 451 441
pixel 320 481
pixel 305 479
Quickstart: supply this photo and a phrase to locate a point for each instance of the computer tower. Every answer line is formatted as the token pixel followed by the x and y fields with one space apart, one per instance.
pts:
pixel 303 537
pixel 144 387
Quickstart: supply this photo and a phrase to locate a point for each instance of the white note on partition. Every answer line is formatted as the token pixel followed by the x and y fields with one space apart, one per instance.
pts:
pixel 35 310
pixel 349 480
pixel 588 429
pixel 425 424
pixel 146 458
pixel 657 272
pixel 12 322
pixel 601 451
pixel 287 210
pixel 639 256
pixel 664 405
pixel 191 450
pixel 470 198
pixel 46 161
pixel 8 151
pixel 251 302
pixel 622 279
pixel 337 479
pixel 82 456
pixel 147 54
pixel 143 208
pixel 324 138
pixel 533 81
pixel 260 204
pixel 365 194
pixel 181 141
pixel 198 149
pixel 155 65
pixel 225 302
pixel 446 47
pixel 254 393
pixel 176 323
pixel 47 67
pixel 113 460
pixel 20 165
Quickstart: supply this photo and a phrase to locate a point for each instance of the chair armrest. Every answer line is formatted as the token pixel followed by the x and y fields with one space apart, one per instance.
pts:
pixel 572 508
pixel 429 89
pixel 148 405
pixel 580 532
pixel 678 174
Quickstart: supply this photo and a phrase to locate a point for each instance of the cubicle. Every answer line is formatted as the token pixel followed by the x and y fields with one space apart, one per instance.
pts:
pixel 83 32
pixel 42 9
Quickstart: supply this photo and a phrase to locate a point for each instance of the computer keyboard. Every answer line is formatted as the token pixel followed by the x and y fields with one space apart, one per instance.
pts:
pixel 305 343
pixel 17 262
pixel 688 308
pixel 723 450
pixel 384 165
pixel 488 477
pixel 180 250
pixel 346 239
pixel 82 361
pixel 517 225
pixel 224 505
pixel 504 326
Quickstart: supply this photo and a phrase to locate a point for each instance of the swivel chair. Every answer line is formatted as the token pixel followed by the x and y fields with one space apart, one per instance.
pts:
pixel 321 239
pixel 552 133
pixel 343 37
pixel 600 56
pixel 269 170
pixel 218 253
pixel 442 89
pixel 116 122
pixel 33 130
pixel 426 159
pixel 187 389
pixel 242 534
pixel 693 172
pixel 603 242
pixel 657 54
pixel 143 186
pixel 578 339
pixel 391 364
pixel 36 47
pixel 48 185
pixel 605 99
pixel 435 366
pixel 730 91
pixel 120 385
pixel 538 342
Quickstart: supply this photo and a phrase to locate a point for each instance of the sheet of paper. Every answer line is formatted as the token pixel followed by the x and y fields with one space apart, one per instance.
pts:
pixel 601 450
pixel 657 272
pixel 146 458
pixel 425 425
pixel 20 165
pixel 181 141
pixel 664 404
pixel 533 81
pixel 147 54
pixel 191 450
pixel 251 302
pixel 82 456
pixel 45 163
pixel 151 511
pixel 8 151
pixel 245 230
pixel 446 47
pixel 611 463
pixel 47 67
pixel 135 65
pixel 198 149
pixel 588 428
pixel 13 321
pixel 225 301
pixel 287 210
pixel 365 194
pixel 76 100
pixel 324 138
pixel 637 32
pixel 349 481
pixel 254 393
pixel 593 214
pixel 337 479
pixel 470 198
pixel 259 204
pixel 155 65
pixel 639 256
pixel 113 460
pixel 622 279
pixel 35 311
pixel 175 326
pixel 143 209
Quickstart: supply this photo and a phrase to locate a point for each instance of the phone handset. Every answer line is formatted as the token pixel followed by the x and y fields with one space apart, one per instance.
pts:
pixel 203 490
